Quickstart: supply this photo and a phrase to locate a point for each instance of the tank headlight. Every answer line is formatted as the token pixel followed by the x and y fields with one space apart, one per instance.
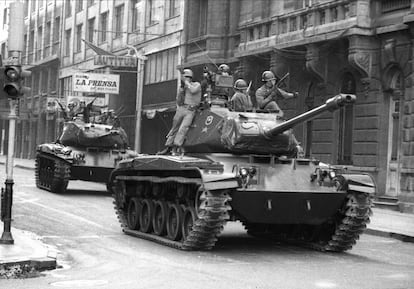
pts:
pixel 332 174
pixel 243 172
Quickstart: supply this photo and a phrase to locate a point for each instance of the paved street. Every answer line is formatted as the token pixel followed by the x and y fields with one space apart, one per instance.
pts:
pixel 92 252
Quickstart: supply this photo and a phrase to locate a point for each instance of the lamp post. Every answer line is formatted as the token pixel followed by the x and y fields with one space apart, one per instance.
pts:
pixel 138 106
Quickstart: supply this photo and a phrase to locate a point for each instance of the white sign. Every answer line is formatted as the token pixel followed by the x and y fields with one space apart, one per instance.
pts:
pixel 96 82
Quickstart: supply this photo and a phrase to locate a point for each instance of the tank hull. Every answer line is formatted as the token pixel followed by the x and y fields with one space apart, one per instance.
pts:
pixel 280 198
pixel 56 165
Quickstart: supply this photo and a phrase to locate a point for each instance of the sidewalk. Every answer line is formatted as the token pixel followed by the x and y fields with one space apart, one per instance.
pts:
pixel 29 251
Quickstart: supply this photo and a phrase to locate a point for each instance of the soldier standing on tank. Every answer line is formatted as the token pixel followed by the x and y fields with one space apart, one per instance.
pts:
pixel 69 112
pixel 240 101
pixel 266 94
pixel 188 100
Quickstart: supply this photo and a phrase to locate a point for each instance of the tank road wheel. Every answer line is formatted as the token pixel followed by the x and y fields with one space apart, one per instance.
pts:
pixel 145 216
pixel 189 218
pixel 159 220
pixel 133 212
pixel 174 220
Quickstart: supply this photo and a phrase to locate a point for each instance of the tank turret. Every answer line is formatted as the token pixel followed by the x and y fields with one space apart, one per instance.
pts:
pixel 221 130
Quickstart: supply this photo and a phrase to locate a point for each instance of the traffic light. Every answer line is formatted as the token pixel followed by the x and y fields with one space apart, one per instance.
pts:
pixel 13 81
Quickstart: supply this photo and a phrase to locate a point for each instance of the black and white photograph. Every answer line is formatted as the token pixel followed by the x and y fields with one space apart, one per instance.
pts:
pixel 200 144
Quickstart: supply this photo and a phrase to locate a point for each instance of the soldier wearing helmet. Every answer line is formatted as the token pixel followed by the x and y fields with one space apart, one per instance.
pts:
pixel 188 100
pixel 240 101
pixel 267 94
pixel 224 69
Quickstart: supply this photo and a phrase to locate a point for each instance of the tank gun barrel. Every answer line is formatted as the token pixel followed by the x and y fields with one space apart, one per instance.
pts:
pixel 331 104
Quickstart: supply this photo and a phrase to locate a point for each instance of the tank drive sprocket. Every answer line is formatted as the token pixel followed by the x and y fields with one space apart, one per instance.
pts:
pixel 175 212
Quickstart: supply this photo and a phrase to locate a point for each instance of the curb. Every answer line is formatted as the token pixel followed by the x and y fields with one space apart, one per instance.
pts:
pixel 398 236
pixel 26 268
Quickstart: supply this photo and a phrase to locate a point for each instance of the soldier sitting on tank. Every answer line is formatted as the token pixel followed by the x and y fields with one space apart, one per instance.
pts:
pixel 240 101
pixel 267 94
pixel 188 100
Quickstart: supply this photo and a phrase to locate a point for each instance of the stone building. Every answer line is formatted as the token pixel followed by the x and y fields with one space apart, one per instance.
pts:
pixel 362 47
pixel 64 37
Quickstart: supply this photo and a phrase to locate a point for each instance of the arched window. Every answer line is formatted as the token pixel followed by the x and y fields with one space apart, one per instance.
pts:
pixel 346 116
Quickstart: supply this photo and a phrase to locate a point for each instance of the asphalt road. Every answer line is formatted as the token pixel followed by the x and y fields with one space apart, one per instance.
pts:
pixel 92 252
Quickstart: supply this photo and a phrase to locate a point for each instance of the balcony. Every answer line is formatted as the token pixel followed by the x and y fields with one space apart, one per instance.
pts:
pixel 319 22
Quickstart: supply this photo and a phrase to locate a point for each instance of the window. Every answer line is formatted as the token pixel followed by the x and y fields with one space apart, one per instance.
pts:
pixel 104 26
pixel 119 15
pixel 68 8
pixel 161 66
pixel 56 30
pixel 90 3
pixel 91 29
pixel 4 17
pixel 78 37
pixel 47 33
pixel 26 8
pixel 174 8
pixel 202 19
pixel 31 41
pixel 41 3
pixel 67 41
pixel 134 15
pixel 3 49
pixel 153 12
pixel 79 6
pixel 32 6
pixel 39 42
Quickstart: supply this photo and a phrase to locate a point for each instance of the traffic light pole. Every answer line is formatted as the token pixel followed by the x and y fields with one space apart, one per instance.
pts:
pixel 13 87
pixel 7 194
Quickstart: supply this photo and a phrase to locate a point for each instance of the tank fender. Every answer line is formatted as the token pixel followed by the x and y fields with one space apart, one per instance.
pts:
pixel 363 183
pixel 214 181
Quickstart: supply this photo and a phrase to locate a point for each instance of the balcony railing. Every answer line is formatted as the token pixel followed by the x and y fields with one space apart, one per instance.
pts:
pixel 393 5
pixel 317 19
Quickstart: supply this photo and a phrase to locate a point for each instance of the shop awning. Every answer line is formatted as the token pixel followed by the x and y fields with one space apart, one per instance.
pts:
pixel 150 110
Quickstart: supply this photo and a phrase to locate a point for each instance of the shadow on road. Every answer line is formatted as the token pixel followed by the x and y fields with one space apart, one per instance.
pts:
pixel 76 192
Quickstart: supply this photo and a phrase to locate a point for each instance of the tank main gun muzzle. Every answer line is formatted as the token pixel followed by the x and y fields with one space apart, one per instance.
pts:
pixel 331 105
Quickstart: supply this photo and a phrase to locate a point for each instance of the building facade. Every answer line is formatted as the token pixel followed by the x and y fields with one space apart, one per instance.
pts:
pixel 326 47
pixel 363 47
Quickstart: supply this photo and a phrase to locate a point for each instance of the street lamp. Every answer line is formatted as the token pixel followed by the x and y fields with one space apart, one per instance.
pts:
pixel 138 106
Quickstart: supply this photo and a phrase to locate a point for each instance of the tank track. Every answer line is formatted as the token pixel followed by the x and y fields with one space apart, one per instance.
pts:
pixel 211 211
pixel 338 236
pixel 51 173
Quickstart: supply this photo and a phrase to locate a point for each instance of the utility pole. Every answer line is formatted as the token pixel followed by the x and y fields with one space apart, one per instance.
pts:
pixel 13 86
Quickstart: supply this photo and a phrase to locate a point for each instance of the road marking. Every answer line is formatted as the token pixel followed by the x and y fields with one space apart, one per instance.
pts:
pixel 325 284
pixel 66 213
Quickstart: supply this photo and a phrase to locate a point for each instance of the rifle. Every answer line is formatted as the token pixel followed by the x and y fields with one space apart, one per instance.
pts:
pixel 65 114
pixel 248 88
pixel 282 79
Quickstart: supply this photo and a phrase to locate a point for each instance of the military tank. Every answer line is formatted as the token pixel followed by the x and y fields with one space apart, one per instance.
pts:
pixel 242 166
pixel 84 151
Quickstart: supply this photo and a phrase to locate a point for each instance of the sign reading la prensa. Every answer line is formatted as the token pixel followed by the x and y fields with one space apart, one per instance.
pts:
pixel 96 82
